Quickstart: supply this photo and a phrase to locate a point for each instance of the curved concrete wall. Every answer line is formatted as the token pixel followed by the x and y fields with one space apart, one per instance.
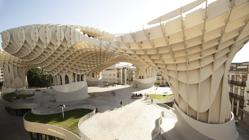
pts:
pixel 49 130
pixel 225 131
pixel 144 83
pixel 58 110
pixel 59 131
pixel 70 92
pixel 89 115
pixel 93 81
pixel 8 90
pixel 162 101
pixel 72 87
pixel 16 105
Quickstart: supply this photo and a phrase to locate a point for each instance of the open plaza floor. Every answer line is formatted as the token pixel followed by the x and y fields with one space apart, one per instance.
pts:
pixel 134 119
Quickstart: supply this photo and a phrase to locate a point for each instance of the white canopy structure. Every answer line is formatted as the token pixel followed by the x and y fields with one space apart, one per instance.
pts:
pixel 194 52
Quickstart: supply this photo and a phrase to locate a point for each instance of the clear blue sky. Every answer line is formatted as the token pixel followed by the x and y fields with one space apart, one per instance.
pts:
pixel 115 16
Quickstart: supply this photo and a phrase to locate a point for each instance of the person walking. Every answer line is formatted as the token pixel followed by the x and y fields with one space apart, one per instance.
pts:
pixel 121 103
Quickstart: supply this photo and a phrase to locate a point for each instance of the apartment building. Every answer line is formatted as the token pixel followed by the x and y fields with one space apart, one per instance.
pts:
pixel 160 80
pixel 239 90
pixel 1 75
pixel 118 74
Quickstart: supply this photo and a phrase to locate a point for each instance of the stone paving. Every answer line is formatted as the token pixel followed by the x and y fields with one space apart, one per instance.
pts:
pixel 134 121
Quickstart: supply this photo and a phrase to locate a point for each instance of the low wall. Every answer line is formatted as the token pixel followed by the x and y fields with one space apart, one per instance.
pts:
pixel 84 118
pixel 144 83
pixel 70 92
pixel 57 131
pixel 56 109
pixel 49 130
pixel 75 86
pixel 93 81
pixel 8 90
pixel 19 105
pixel 162 101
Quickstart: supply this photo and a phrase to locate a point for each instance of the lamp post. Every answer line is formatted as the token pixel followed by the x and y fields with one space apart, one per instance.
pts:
pixel 155 89
pixel 62 109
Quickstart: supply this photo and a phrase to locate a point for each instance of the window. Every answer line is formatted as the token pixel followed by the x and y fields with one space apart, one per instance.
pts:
pixel 242 91
pixel 233 77
pixel 237 77
pixel 236 90
pixel 231 88
pixel 244 77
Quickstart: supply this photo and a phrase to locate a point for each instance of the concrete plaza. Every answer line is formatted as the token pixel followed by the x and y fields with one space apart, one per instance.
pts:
pixel 135 119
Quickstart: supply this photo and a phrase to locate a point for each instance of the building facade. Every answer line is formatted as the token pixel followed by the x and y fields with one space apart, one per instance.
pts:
pixel 118 74
pixel 161 80
pixel 239 94
pixel 1 75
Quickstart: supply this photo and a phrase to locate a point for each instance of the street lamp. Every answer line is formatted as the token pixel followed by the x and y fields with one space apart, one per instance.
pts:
pixel 155 89
pixel 62 109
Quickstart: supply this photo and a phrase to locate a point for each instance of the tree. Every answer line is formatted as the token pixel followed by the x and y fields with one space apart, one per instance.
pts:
pixel 38 77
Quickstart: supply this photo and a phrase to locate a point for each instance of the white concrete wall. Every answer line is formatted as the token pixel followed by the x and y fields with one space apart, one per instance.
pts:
pixel 70 87
pixel 8 90
pixel 16 105
pixel 144 83
pixel 57 131
pixel 224 131
pixel 162 101
pixel 50 130
pixel 82 120
pixel 70 92
pixel 93 81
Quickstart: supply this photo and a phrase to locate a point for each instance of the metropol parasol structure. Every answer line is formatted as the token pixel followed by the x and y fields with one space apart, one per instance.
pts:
pixel 192 47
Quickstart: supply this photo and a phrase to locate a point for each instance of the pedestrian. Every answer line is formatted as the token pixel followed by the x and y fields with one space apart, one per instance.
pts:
pixel 121 103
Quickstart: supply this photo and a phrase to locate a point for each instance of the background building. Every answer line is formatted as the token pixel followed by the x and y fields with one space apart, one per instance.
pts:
pixel 1 78
pixel 160 80
pixel 1 75
pixel 239 86
pixel 119 74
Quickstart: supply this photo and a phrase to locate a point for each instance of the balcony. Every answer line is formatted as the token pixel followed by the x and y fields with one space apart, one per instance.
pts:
pixel 236 96
pixel 238 83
